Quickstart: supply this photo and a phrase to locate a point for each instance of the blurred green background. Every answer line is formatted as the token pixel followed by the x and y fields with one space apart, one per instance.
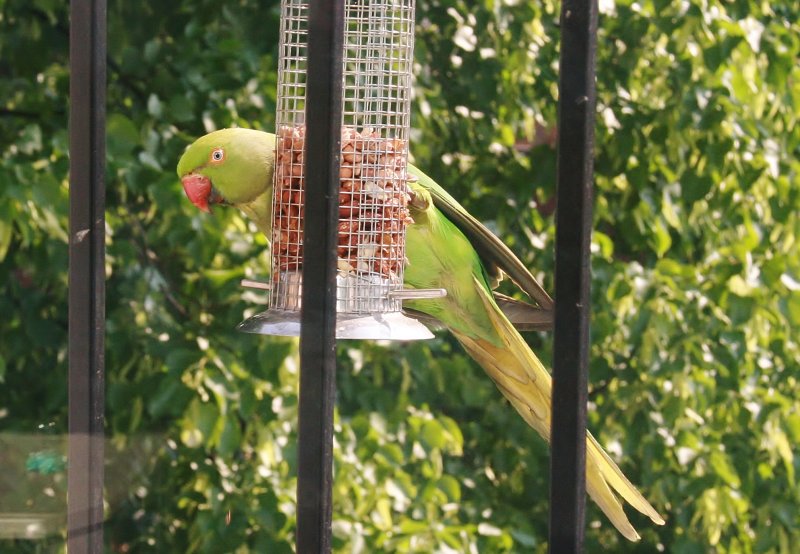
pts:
pixel 696 285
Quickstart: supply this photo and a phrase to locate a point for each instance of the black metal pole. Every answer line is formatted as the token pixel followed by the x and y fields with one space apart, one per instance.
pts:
pixel 318 318
pixel 573 241
pixel 86 276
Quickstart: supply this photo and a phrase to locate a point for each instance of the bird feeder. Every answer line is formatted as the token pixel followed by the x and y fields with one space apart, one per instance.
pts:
pixel 373 189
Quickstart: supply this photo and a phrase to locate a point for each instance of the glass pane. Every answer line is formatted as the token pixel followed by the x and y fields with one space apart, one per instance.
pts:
pixel 33 487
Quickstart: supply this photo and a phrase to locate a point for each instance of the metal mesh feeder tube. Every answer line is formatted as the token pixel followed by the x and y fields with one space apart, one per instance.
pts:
pixel 373 179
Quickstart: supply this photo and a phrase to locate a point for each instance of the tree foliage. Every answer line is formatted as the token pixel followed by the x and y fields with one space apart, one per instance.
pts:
pixel 696 284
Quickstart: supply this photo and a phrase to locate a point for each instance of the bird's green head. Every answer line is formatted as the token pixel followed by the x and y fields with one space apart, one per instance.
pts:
pixel 229 166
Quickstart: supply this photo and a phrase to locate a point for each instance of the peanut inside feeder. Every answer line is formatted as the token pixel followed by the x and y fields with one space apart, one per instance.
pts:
pixel 373 213
pixel 372 202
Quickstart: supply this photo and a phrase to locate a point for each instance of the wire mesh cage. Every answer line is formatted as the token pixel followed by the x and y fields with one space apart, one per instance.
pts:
pixel 373 213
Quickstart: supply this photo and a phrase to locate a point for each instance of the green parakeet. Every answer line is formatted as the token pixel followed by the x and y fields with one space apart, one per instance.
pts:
pixel 446 248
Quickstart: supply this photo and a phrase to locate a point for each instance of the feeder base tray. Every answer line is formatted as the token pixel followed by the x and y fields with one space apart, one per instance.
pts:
pixel 379 326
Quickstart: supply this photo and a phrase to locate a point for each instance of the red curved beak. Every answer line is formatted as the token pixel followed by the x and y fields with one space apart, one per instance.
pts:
pixel 198 190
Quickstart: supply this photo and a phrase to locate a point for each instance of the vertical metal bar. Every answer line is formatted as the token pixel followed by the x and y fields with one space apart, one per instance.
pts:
pixel 86 276
pixel 573 240
pixel 318 318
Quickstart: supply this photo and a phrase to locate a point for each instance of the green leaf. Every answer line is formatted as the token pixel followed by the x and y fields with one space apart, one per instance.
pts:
pixel 432 434
pixel 154 106
pixel 147 159
pixel 737 285
pixel 169 398
pixel 180 109
pixel 791 307
pixel 230 437
pixel 199 424
pixel 451 487
pixel 123 136
pixel 695 187
pixel 662 238
pixel 723 467
pixel 6 229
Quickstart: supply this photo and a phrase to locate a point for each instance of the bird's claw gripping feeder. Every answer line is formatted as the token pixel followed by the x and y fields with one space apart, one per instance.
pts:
pixel 373 189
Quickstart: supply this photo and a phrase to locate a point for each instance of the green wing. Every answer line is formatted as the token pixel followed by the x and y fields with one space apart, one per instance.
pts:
pixel 498 259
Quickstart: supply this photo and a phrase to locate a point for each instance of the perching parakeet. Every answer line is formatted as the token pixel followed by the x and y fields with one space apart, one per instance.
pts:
pixel 446 248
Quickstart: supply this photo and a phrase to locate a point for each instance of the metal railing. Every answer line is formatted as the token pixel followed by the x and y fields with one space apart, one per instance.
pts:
pixel 318 363
pixel 576 107
pixel 318 317
pixel 87 292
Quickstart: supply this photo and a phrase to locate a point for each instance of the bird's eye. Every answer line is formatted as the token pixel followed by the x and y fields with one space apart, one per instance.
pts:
pixel 217 155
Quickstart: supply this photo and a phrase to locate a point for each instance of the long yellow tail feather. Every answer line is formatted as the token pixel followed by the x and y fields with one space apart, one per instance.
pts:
pixel 525 382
